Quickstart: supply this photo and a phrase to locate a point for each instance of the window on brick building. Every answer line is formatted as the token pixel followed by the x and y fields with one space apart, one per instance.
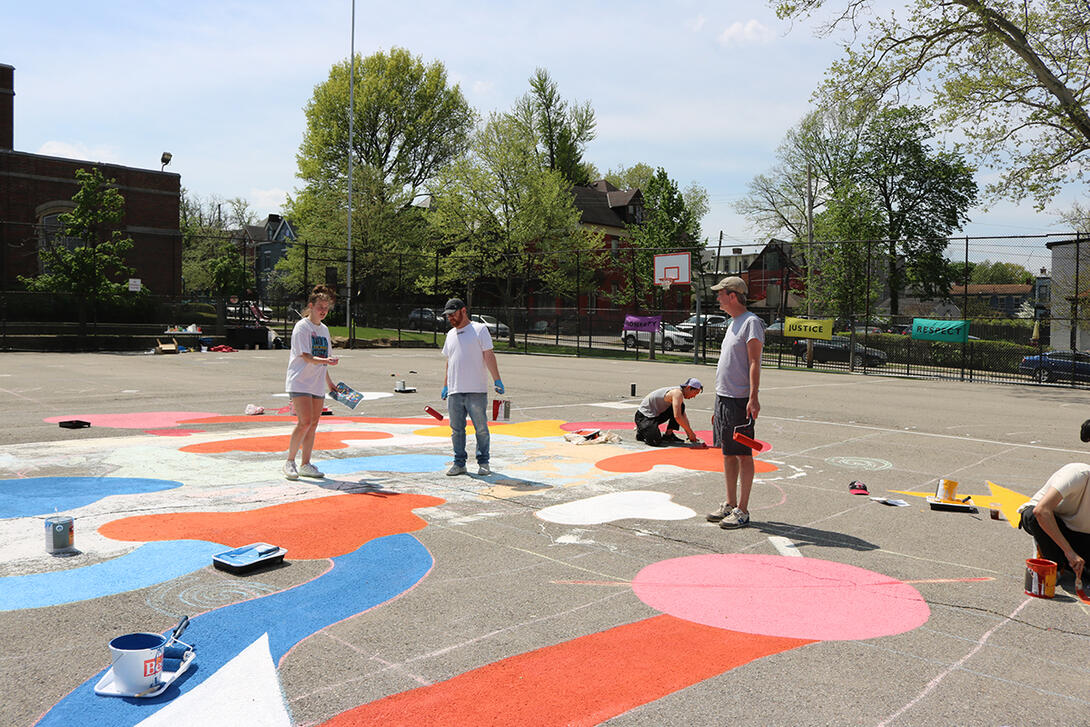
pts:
pixel 51 231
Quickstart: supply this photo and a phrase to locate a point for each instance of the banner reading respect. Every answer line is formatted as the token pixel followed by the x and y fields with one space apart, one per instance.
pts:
pixel 924 329
pixel 808 328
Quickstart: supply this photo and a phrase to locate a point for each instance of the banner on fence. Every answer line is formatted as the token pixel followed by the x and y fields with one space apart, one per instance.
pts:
pixel 642 323
pixel 924 329
pixel 808 328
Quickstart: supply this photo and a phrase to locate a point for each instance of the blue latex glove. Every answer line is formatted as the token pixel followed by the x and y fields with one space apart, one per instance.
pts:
pixel 499 386
pixel 443 393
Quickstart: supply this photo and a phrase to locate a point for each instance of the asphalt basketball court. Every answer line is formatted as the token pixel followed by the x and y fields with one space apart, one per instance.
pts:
pixel 509 589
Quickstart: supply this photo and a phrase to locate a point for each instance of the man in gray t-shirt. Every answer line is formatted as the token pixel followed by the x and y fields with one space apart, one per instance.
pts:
pixel 737 378
pixel 666 405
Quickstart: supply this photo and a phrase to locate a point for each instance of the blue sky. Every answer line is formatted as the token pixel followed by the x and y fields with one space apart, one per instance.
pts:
pixel 706 90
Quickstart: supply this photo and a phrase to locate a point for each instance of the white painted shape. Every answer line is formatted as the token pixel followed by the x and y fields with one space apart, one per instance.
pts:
pixel 245 690
pixel 637 504
pixel 784 546
pixel 617 405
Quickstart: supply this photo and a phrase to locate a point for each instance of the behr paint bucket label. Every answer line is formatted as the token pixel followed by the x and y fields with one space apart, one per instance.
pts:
pixel 1040 578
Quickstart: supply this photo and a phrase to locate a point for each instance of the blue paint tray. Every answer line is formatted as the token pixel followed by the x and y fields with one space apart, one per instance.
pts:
pixel 249 557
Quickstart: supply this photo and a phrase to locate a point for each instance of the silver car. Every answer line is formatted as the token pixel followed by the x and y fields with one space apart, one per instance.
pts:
pixel 669 338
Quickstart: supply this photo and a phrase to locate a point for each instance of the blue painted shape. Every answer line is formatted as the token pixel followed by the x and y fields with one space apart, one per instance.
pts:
pixel 375 573
pixel 30 496
pixel 148 565
pixel 387 463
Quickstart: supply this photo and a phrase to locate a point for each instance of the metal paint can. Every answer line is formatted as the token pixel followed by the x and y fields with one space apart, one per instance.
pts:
pixel 60 534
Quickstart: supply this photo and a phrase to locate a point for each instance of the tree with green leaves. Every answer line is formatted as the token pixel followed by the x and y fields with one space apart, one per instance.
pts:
pixel 504 222
pixel 668 226
pixel 209 230
pixel 408 123
pixel 987 272
pixel 87 258
pixel 560 129
pixel 1009 74
pixel 841 277
pixel 924 194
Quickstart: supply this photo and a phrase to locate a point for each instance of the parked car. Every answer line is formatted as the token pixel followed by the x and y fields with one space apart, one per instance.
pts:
pixel 1057 366
pixel 837 349
pixel 709 321
pixel 495 328
pixel 427 319
pixel 669 338
pixel 775 328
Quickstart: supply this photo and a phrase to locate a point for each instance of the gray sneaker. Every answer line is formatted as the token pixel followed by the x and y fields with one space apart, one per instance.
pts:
pixel 722 512
pixel 309 470
pixel 484 470
pixel 456 469
pixel 289 470
pixel 736 519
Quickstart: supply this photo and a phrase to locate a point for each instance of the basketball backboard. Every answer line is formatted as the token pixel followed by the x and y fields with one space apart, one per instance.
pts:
pixel 672 267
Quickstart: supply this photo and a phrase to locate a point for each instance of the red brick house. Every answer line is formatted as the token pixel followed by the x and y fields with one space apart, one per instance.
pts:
pixel 35 189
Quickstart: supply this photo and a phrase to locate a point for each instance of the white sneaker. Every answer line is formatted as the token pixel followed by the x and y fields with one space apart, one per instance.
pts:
pixel 484 470
pixel 309 470
pixel 456 470
pixel 289 470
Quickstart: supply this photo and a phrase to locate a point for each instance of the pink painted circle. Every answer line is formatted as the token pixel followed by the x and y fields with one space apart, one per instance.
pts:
pixel 803 598
pixel 135 420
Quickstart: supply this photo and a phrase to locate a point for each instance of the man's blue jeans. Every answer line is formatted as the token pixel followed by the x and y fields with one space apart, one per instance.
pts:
pixel 474 405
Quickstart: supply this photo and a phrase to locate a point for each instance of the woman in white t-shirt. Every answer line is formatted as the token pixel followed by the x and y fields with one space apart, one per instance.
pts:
pixel 308 380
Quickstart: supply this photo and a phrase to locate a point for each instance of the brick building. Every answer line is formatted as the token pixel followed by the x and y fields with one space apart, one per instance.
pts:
pixel 35 189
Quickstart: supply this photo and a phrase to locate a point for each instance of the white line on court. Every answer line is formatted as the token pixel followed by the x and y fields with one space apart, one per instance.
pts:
pixel 924 434
pixel 784 546
pixel 957 665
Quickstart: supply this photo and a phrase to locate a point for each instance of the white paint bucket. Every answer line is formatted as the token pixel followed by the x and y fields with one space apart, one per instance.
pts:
pixel 137 661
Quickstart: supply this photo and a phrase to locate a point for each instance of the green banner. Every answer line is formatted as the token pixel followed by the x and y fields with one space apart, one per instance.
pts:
pixel 924 329
pixel 807 328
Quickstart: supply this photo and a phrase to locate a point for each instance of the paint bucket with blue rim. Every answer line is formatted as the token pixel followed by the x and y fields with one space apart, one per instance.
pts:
pixel 137 661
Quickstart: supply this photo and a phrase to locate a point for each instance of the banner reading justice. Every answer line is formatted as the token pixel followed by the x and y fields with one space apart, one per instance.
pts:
pixel 808 328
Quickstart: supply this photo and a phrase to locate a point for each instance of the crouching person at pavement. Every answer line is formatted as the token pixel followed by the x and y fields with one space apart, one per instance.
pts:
pixel 666 405
pixel 1058 517
pixel 470 359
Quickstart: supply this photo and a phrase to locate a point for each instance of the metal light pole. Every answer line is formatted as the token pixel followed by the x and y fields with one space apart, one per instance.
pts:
pixel 351 115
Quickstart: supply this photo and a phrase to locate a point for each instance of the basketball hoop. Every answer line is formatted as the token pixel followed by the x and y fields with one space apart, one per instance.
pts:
pixel 665 283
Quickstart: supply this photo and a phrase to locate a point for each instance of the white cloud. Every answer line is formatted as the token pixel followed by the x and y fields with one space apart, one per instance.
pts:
pixel 267 200
pixel 78 150
pixel 483 88
pixel 751 32
pixel 696 24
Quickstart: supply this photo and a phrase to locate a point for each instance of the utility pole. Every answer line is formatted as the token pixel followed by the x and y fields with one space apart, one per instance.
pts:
pixel 809 261
pixel 351 115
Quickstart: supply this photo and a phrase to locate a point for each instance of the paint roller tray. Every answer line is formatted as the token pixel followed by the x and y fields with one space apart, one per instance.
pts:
pixel 106 686
pixel 249 557
pixel 955 505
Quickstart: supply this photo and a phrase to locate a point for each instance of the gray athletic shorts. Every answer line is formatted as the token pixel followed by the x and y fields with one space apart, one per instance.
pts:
pixel 730 413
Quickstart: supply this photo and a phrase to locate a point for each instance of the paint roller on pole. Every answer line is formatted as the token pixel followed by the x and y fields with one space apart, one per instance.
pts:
pixel 747 441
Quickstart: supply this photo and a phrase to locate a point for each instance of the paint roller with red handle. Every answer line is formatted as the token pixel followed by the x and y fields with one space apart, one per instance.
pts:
pixel 748 441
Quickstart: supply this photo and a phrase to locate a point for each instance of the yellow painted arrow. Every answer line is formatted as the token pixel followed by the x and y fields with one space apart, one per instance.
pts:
pixel 1007 501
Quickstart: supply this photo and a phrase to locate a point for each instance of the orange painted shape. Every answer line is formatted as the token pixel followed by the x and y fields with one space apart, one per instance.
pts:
pixel 585 681
pixel 324 527
pixel 703 460
pixel 279 443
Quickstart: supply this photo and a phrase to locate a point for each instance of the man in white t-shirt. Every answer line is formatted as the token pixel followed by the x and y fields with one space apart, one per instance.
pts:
pixel 1058 517
pixel 470 359
pixel 737 378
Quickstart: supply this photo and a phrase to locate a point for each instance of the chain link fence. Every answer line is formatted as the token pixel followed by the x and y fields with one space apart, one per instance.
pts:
pixel 1026 299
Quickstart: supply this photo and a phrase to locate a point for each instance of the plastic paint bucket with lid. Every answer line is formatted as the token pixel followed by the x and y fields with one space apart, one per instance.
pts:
pixel 1040 578
pixel 60 534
